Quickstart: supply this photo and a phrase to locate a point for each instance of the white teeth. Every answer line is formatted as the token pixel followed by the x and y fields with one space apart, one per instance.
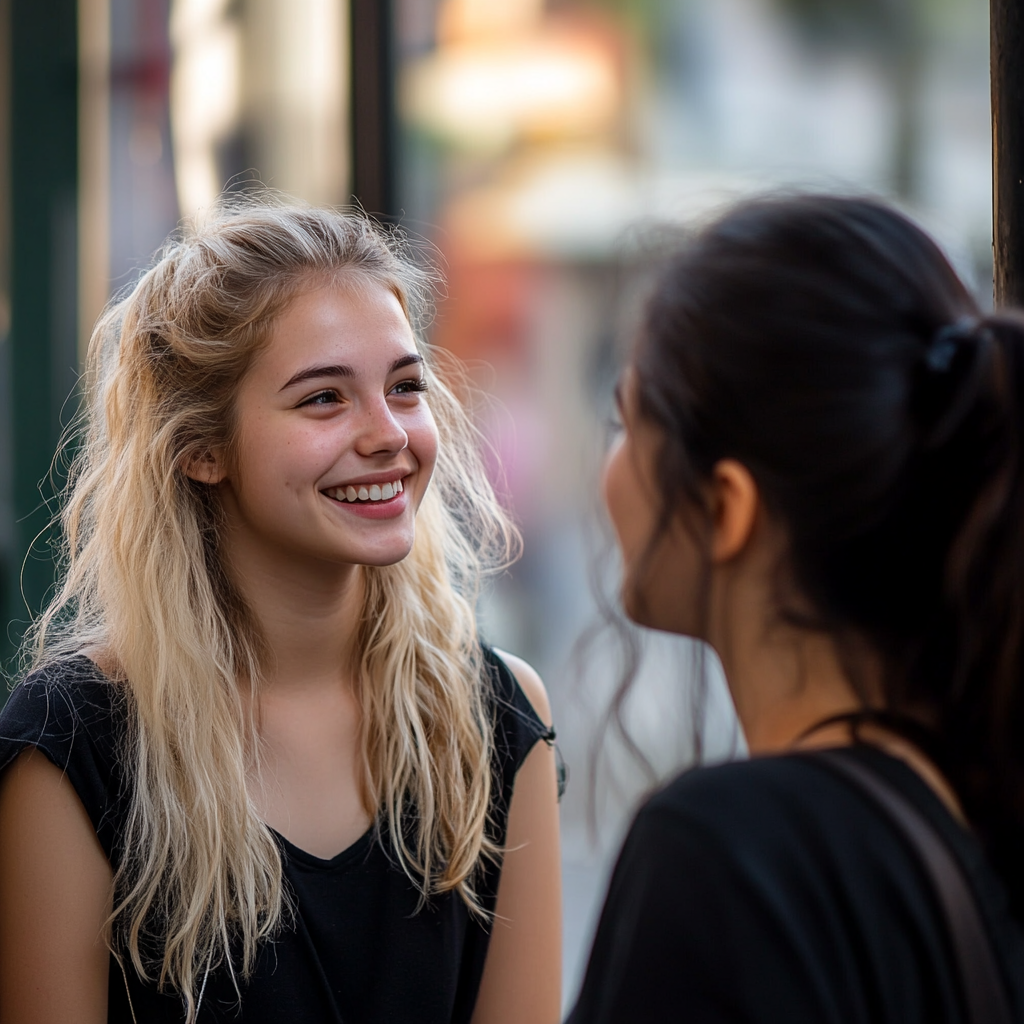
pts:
pixel 375 492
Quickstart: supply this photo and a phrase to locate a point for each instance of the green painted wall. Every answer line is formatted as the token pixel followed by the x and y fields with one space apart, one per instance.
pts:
pixel 43 277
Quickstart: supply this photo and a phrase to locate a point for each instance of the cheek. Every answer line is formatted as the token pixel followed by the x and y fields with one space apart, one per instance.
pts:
pixel 666 589
pixel 623 499
pixel 264 454
pixel 277 461
pixel 423 443
pixel 654 579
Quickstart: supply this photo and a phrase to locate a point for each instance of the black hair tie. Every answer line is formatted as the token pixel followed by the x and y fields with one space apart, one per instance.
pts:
pixel 947 341
pixel 957 359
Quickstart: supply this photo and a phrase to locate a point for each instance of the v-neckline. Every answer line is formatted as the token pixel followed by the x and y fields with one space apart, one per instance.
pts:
pixel 354 850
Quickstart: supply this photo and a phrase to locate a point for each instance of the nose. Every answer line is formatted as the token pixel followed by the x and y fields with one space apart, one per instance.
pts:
pixel 380 432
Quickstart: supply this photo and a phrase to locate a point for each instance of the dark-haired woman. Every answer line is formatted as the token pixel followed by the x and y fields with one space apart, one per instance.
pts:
pixel 821 474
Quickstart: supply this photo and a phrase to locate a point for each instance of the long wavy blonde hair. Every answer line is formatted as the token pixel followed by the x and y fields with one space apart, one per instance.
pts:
pixel 143 583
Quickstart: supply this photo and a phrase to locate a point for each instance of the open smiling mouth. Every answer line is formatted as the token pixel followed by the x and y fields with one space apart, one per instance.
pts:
pixel 366 494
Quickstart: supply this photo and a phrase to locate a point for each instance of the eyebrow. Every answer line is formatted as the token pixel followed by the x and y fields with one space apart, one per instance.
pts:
pixel 343 370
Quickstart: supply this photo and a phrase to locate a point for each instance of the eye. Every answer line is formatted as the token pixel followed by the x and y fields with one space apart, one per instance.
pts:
pixel 321 398
pixel 614 428
pixel 411 386
pixel 613 423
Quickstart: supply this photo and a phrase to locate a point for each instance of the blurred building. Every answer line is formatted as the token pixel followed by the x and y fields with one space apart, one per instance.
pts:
pixel 535 144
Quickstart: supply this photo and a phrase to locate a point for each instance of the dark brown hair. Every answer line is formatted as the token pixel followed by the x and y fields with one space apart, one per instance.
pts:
pixel 828 345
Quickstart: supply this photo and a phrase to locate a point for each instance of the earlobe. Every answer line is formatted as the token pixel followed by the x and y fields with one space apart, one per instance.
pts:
pixel 735 504
pixel 205 469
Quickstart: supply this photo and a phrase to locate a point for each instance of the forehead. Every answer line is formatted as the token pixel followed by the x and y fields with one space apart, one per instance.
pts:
pixel 353 321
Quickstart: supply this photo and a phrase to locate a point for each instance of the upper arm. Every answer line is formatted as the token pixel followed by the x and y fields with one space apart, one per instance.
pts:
pixel 522 975
pixel 55 898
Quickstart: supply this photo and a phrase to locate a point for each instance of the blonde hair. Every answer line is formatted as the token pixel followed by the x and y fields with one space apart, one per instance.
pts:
pixel 143 583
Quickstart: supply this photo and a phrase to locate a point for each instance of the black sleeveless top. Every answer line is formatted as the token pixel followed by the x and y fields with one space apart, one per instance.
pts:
pixel 776 891
pixel 357 950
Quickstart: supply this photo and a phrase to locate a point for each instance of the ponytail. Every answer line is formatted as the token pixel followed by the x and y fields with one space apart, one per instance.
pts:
pixel 982 716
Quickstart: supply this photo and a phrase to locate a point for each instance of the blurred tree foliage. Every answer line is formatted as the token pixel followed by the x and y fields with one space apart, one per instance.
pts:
pixel 893 32
pixel 846 21
pixel 895 35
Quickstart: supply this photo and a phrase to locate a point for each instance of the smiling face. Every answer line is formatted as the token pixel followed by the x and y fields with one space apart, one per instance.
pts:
pixel 334 441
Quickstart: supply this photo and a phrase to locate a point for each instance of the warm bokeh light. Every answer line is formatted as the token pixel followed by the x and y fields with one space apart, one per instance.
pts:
pixel 557 82
pixel 294 102
pixel 266 83
pixel 476 19
pixel 205 94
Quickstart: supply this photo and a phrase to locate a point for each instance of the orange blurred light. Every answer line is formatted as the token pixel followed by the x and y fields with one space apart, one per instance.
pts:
pixel 464 19
pixel 555 81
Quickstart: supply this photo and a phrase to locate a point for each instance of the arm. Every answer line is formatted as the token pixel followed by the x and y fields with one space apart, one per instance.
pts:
pixel 522 976
pixel 55 898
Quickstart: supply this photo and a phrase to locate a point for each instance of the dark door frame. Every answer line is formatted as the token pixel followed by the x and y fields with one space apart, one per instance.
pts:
pixel 373 120
pixel 1007 40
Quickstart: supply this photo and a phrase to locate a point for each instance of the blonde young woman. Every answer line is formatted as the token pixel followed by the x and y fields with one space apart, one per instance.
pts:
pixel 262 767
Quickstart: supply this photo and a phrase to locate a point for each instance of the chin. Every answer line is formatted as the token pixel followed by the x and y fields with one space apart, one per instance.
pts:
pixel 382 561
pixel 381 557
pixel 634 606
pixel 660 615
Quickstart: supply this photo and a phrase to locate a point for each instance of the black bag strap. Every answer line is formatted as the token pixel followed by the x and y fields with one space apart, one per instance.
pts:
pixel 983 987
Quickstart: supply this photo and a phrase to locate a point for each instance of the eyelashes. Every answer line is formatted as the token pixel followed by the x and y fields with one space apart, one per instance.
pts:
pixel 331 397
pixel 321 398
pixel 410 387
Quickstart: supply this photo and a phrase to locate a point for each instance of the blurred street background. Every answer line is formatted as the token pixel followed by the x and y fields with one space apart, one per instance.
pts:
pixel 539 146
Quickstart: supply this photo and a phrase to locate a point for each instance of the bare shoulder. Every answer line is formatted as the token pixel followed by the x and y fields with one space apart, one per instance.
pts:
pixel 531 683
pixel 55 897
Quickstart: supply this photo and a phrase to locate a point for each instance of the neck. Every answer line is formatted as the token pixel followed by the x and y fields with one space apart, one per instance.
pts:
pixel 786 685
pixel 784 679
pixel 308 614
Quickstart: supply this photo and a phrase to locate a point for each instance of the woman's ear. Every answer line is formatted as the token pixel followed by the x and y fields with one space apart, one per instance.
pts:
pixel 735 501
pixel 208 468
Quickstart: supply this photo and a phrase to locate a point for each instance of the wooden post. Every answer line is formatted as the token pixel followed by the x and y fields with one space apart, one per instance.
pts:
pixel 373 106
pixel 1007 28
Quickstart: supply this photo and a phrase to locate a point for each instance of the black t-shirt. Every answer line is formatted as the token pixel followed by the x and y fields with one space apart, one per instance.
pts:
pixel 358 950
pixel 774 891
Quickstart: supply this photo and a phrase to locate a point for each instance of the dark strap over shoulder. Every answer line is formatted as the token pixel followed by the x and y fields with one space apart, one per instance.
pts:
pixel 983 987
